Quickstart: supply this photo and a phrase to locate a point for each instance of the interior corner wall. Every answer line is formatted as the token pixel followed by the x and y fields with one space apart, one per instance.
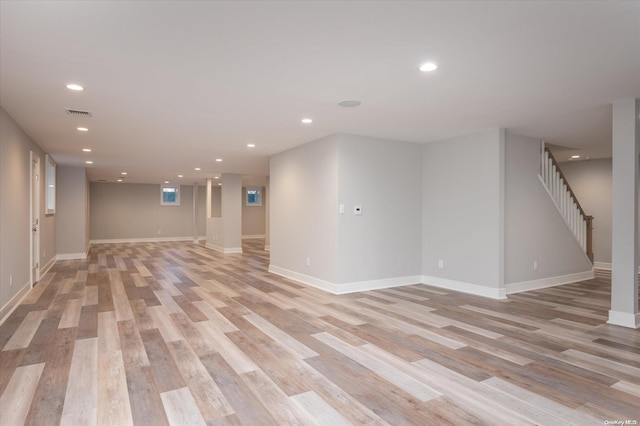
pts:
pixel 591 182
pixel 304 210
pixel 534 229
pixel 15 205
pixel 202 207
pixel 461 211
pixel 383 177
pixel 71 212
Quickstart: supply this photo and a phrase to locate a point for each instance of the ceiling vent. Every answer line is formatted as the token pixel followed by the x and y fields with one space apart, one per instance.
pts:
pixel 78 113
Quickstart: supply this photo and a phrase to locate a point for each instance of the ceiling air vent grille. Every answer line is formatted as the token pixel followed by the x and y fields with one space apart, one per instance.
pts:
pixel 78 113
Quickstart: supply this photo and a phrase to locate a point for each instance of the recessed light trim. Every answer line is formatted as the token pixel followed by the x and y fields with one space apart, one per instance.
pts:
pixel 123 173
pixel 575 156
pixel 219 160
pixel 75 87
pixel 306 121
pixel 250 145
pixel 180 176
pixel 89 162
pixel 220 184
pixel 120 180
pixel 349 103
pixel 197 169
pixel 86 149
pixel 166 181
pixel 428 67
pixel 216 177
pixel 83 129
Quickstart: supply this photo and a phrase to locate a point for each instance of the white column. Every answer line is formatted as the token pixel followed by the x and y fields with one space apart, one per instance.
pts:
pixel 231 196
pixel 624 241
pixel 195 212
pixel 267 217
pixel 208 198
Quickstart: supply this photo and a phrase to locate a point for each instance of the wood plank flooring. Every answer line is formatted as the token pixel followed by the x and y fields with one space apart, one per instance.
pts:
pixel 173 333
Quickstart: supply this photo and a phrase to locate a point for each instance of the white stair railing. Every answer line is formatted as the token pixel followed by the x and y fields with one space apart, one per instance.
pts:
pixel 565 200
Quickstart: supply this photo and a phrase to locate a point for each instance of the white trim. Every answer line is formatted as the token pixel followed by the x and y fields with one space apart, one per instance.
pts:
pixel 549 282
pixel 624 319
pixel 141 240
pixel 49 265
pixel 476 289
pixel 231 250
pixel 606 266
pixel 249 237
pixel 15 301
pixel 305 279
pixel 72 256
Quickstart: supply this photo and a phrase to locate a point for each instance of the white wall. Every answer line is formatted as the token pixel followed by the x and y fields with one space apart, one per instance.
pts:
pixel 71 211
pixel 303 210
pixel 133 211
pixel 253 217
pixel 462 210
pixel 15 227
pixel 384 178
pixel 591 182
pixel 534 230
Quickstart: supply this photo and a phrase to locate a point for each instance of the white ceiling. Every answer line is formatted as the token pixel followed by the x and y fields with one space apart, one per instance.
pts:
pixel 172 85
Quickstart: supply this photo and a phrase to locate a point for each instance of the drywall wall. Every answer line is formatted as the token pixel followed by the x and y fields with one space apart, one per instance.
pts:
pixel 71 209
pixel 591 182
pixel 383 177
pixel 462 210
pixel 253 217
pixel 15 227
pixel 534 229
pixel 133 211
pixel 304 210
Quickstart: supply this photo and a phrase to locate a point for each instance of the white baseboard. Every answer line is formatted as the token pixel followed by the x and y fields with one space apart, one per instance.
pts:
pixel 549 282
pixel 142 240
pixel 344 288
pixel 48 266
pixel 624 319
pixel 15 301
pixel 225 250
pixel 250 237
pixel 71 256
pixel 606 266
pixel 475 289
pixel 267 248
pixel 305 279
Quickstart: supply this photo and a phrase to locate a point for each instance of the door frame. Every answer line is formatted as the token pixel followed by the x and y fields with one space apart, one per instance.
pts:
pixel 34 204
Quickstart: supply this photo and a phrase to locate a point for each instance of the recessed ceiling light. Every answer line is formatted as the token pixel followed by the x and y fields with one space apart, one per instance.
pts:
pixel 349 103
pixel 75 87
pixel 180 176
pixel 86 149
pixel 123 173
pixel 250 145
pixel 575 156
pixel 216 177
pixel 166 181
pixel 197 169
pixel 83 129
pixel 428 67
pixel 307 121
pixel 120 180
pixel 89 162
pixel 220 184
pixel 219 160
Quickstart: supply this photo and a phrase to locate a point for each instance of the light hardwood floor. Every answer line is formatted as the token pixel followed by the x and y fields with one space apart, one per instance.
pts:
pixel 173 333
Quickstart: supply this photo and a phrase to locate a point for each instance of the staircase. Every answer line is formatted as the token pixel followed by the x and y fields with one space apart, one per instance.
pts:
pixel 580 224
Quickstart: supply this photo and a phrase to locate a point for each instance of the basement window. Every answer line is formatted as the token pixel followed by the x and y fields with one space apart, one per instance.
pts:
pixel 170 195
pixel 253 197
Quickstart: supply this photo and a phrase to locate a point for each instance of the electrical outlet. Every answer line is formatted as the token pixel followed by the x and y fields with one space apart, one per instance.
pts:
pixel 535 265
pixel 308 261
pixel 440 263
pixel 341 208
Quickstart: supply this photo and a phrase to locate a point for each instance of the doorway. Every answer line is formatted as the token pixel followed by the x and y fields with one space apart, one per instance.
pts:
pixel 35 219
